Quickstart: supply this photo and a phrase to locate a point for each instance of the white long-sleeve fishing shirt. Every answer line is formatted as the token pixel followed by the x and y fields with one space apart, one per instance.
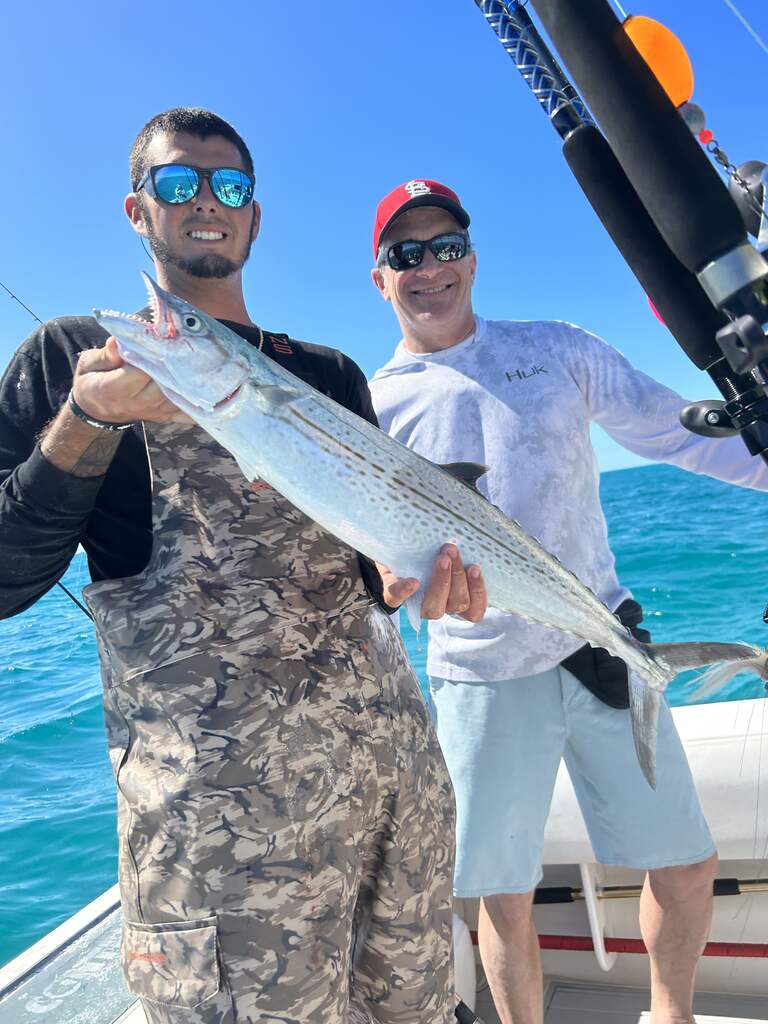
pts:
pixel 519 397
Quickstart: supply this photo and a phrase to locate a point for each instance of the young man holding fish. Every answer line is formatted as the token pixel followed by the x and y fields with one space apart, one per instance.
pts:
pixel 285 818
pixel 508 694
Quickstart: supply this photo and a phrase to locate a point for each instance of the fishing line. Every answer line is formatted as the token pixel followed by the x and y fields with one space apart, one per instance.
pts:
pixel 78 603
pixel 746 736
pixel 746 24
pixel 620 9
pixel 761 860
pixel 17 299
pixel 760 856
pixel 759 779
pixel 37 318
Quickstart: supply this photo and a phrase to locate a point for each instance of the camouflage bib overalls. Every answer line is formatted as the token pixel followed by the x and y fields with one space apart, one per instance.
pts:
pixel 285 818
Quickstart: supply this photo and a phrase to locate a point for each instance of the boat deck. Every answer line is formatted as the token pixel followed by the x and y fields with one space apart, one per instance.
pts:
pixel 601 1004
pixel 73 976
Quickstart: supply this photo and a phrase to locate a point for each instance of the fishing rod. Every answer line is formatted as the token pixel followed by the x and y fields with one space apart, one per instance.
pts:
pixel 553 894
pixel 679 188
pixel 715 320
pixel 34 316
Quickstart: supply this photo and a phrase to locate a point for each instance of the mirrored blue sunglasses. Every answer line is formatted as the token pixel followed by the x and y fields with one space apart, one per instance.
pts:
pixel 180 183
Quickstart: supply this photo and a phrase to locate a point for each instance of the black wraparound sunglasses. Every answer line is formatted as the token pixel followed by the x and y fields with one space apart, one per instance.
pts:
pixel 407 254
pixel 180 183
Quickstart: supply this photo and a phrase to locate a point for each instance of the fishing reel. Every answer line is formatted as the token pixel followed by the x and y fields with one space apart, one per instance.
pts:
pixel 662 202
pixel 739 286
pixel 744 344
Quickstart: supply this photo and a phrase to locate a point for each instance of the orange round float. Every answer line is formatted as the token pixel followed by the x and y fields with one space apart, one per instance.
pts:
pixel 664 54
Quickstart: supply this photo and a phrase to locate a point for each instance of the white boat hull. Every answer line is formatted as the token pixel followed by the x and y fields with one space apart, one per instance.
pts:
pixel 727 748
pixel 727 745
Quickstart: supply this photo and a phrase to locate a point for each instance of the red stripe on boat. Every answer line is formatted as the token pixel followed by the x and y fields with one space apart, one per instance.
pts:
pixel 584 944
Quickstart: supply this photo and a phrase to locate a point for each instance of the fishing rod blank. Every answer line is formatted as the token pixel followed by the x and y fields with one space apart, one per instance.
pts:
pixel 556 894
pixel 535 62
pixel 676 183
pixel 679 188
pixel 675 292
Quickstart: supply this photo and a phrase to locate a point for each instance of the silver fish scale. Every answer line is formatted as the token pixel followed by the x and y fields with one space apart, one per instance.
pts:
pixel 364 487
pixel 398 508
pixel 381 498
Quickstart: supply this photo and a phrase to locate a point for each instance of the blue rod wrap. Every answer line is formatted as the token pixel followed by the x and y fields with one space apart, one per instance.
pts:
pixel 532 58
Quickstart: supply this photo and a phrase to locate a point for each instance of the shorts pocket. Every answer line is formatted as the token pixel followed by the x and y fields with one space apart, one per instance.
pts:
pixel 172 964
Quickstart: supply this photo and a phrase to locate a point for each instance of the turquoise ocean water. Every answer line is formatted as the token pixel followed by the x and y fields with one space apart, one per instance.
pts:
pixel 693 551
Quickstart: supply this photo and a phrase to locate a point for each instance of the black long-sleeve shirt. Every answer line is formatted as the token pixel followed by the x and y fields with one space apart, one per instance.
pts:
pixel 46 512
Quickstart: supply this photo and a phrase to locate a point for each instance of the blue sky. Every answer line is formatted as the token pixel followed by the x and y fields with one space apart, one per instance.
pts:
pixel 339 103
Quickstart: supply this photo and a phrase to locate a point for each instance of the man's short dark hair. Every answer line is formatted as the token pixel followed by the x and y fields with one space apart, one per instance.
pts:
pixel 194 121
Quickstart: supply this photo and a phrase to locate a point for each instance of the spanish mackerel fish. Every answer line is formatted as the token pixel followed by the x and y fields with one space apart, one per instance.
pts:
pixel 383 499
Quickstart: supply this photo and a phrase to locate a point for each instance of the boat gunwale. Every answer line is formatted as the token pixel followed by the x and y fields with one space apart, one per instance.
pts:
pixel 51 945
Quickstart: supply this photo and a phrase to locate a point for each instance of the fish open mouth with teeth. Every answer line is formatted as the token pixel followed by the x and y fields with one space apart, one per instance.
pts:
pixel 194 366
pixel 383 499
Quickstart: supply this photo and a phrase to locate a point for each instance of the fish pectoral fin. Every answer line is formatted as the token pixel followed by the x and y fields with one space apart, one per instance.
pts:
pixel 413 610
pixel 466 472
pixel 272 397
pixel 644 703
pixel 249 472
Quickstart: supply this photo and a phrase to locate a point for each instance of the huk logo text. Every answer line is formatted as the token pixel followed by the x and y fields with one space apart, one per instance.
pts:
pixel 524 374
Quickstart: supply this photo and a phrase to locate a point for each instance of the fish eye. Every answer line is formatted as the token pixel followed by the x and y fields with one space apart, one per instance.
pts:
pixel 192 323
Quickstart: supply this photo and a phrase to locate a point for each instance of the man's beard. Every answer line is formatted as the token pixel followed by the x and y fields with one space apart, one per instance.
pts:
pixel 209 264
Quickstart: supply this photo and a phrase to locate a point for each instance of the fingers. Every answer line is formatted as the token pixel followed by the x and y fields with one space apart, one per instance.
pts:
pixel 108 388
pixel 438 591
pixel 113 351
pixel 458 595
pixel 478 596
pixel 396 591
pixel 454 590
pixel 98 360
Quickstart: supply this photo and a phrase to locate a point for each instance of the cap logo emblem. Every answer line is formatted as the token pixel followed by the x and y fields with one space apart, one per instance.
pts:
pixel 417 188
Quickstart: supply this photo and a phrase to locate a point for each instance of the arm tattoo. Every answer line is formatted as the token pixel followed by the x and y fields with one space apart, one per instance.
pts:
pixel 96 458
pixel 77 448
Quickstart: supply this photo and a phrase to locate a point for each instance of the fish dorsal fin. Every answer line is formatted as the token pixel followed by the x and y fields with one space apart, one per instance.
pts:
pixel 467 472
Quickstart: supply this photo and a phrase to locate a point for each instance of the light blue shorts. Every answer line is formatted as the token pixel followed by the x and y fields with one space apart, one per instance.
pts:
pixel 503 743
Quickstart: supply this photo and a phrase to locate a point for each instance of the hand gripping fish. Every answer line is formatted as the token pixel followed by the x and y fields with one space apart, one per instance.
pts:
pixel 383 499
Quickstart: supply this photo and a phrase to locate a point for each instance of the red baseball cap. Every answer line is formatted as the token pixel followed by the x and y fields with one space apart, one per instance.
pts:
pixel 418 192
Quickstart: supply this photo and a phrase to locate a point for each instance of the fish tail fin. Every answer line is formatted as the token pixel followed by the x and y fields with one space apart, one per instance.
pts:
pixel 695 655
pixel 644 703
pixel 715 678
pixel 727 660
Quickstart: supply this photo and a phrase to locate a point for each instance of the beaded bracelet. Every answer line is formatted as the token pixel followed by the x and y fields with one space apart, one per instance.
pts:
pixel 99 424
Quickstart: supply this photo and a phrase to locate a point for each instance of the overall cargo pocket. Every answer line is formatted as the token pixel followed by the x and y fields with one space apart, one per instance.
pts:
pixel 172 964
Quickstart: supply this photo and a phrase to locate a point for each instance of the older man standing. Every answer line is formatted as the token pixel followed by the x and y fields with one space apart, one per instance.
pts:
pixel 508 696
